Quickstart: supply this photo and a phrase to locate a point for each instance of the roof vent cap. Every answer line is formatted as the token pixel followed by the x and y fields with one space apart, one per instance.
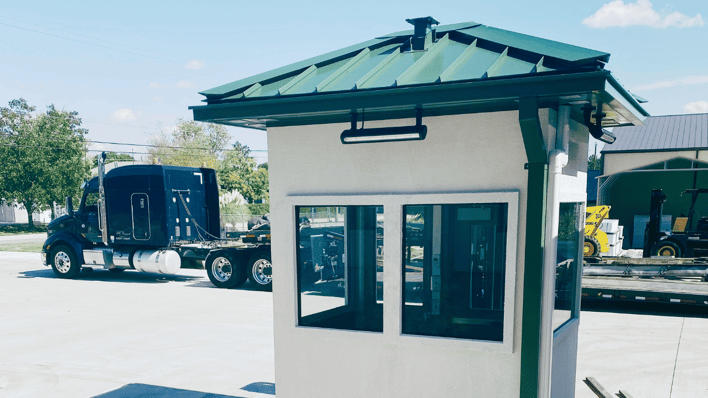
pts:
pixel 422 26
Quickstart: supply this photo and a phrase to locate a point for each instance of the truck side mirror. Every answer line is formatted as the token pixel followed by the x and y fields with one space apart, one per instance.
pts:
pixel 69 206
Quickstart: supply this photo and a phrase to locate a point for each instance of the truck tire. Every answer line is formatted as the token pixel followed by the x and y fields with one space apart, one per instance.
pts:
pixel 64 262
pixel 260 271
pixel 223 270
pixel 591 247
pixel 666 249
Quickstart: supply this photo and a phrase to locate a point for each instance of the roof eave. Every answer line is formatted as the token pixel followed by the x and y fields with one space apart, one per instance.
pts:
pixel 625 102
pixel 444 98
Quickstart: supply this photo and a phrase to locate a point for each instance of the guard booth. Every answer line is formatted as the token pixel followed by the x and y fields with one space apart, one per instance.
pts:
pixel 427 193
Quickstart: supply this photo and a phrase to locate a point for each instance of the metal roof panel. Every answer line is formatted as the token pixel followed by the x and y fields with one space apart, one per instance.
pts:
pixel 537 45
pixel 673 132
pixel 476 66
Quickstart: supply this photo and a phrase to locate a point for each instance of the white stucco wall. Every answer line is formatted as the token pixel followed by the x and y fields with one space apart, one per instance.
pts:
pixel 463 153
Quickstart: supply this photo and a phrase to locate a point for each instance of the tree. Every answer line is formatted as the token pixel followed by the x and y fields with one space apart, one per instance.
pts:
pixel 594 162
pixel 191 144
pixel 43 155
pixel 195 144
pixel 113 157
pixel 238 172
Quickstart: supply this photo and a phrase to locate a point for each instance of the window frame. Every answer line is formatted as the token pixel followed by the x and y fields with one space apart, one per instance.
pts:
pixel 393 264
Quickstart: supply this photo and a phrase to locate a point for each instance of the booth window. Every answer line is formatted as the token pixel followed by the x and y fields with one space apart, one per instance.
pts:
pixel 340 267
pixel 454 266
pixel 567 260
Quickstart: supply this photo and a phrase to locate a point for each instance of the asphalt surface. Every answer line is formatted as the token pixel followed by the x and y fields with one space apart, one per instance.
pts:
pixel 23 238
pixel 145 335
pixel 130 334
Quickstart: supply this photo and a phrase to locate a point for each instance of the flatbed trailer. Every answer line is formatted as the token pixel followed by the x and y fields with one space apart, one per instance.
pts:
pixel 647 267
pixel 658 290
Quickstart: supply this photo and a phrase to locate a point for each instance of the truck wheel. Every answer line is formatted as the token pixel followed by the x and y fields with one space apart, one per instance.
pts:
pixel 64 262
pixel 223 270
pixel 666 249
pixel 591 247
pixel 260 271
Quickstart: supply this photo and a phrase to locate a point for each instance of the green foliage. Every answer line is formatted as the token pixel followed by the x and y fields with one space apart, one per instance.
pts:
pixel 43 155
pixel 258 209
pixel 113 157
pixel 195 144
pixel 191 144
pixel 594 162
pixel 238 172
pixel 19 229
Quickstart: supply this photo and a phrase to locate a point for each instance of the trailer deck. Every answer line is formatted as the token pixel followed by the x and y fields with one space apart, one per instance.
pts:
pixel 684 291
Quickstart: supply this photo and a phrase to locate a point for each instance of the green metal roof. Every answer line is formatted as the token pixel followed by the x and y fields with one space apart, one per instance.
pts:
pixel 447 55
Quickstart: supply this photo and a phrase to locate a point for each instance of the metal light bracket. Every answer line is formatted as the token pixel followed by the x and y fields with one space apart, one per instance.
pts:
pixel 385 134
pixel 596 129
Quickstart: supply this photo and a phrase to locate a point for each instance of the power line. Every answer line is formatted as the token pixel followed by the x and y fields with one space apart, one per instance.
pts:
pixel 99 59
pixel 100 150
pixel 175 147
pixel 107 41
pixel 89 141
pixel 92 44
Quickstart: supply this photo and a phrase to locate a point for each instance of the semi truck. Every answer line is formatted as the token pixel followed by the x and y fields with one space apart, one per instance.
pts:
pixel 154 218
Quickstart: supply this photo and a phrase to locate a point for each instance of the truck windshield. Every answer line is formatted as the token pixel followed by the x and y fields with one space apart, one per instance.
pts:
pixel 90 203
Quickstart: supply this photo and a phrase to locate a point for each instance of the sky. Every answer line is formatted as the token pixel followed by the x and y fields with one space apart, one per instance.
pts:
pixel 132 68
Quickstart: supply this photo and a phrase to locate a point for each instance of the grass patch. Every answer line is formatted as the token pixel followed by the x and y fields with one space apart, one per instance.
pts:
pixel 25 247
pixel 17 229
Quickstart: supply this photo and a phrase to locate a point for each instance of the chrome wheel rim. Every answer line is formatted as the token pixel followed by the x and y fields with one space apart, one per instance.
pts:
pixel 667 251
pixel 221 269
pixel 262 272
pixel 62 262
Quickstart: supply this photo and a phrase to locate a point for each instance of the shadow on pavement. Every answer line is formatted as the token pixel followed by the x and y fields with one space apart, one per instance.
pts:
pixel 260 387
pixel 108 276
pixel 149 391
pixel 644 308
pixel 246 286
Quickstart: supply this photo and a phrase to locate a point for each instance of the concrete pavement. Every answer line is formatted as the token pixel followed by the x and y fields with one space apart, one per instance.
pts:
pixel 123 335
pixel 106 331
pixel 646 355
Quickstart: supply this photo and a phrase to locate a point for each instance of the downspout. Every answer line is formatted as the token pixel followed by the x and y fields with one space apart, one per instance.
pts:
pixel 557 159
pixel 537 188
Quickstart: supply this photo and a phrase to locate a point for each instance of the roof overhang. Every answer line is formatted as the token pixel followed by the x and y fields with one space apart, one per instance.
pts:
pixel 579 89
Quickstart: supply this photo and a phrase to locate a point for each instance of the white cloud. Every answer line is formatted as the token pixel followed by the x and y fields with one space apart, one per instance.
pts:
pixel 696 107
pixel 185 84
pixel 684 81
pixel 125 114
pixel 195 64
pixel 618 14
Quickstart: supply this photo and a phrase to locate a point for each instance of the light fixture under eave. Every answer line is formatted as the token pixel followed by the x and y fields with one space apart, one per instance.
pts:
pixel 596 129
pixel 385 134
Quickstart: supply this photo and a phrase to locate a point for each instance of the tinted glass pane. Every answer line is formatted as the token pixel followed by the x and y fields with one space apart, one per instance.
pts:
pixel 454 260
pixel 567 261
pixel 340 267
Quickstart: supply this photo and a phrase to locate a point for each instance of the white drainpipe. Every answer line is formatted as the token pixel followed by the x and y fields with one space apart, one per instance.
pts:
pixel 557 160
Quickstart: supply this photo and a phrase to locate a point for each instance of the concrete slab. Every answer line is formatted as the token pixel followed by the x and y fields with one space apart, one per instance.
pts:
pixel 104 331
pixel 134 334
pixel 645 355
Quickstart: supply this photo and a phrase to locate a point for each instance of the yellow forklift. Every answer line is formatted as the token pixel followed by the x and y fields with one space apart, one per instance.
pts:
pixel 596 241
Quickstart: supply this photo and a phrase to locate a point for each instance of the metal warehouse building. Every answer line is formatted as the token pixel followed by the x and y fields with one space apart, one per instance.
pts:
pixel 668 153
